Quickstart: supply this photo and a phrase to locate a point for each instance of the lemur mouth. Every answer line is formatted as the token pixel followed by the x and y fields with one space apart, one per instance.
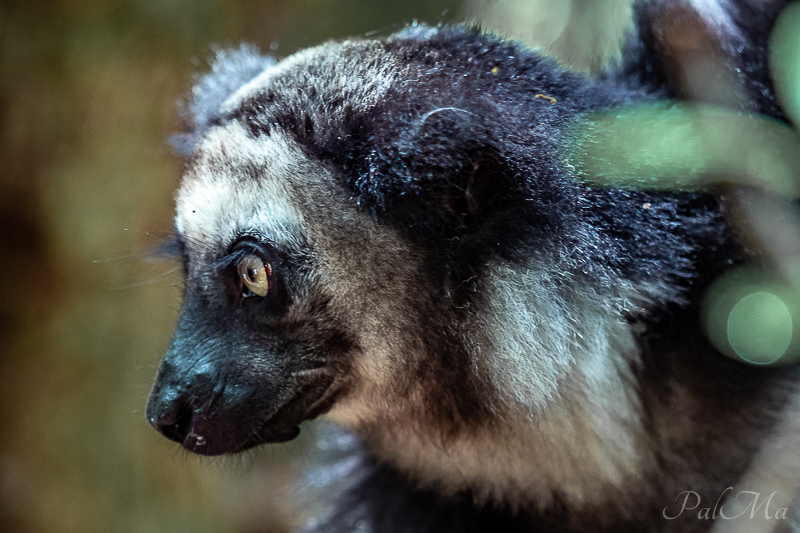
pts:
pixel 315 393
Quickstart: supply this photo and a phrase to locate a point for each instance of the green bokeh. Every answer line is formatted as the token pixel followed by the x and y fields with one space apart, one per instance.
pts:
pixel 785 60
pixel 752 316
pixel 685 147
pixel 760 328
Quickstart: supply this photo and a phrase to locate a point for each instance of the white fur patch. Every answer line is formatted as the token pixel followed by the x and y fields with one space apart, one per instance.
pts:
pixel 239 183
pixel 360 70
pixel 568 421
pixel 537 327
pixel 716 13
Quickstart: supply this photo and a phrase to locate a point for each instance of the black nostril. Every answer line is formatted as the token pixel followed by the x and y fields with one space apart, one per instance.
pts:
pixel 174 422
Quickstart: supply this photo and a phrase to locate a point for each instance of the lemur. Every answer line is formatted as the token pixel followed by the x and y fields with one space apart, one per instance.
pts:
pixel 391 233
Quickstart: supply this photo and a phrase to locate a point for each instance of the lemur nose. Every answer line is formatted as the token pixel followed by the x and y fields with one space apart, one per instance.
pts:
pixel 173 420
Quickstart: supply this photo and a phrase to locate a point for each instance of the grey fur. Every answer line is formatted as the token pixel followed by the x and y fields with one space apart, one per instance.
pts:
pixel 231 68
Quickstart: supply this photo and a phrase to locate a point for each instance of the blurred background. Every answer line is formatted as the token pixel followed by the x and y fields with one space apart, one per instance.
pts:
pixel 88 92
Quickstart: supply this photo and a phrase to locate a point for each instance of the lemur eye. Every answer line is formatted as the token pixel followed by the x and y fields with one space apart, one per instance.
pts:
pixel 255 275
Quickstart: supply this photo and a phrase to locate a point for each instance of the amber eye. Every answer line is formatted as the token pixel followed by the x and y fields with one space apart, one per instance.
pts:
pixel 255 275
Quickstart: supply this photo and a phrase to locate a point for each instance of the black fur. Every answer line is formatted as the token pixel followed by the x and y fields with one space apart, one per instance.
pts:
pixel 498 130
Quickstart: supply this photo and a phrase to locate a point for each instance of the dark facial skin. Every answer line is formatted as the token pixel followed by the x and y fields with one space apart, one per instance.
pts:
pixel 238 372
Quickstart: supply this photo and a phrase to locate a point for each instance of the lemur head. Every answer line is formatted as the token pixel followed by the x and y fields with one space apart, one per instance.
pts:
pixel 389 232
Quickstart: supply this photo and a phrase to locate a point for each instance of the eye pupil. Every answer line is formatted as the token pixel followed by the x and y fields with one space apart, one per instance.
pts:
pixel 255 275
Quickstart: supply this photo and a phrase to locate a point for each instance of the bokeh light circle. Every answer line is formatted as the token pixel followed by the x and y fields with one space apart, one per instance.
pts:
pixel 752 316
pixel 760 328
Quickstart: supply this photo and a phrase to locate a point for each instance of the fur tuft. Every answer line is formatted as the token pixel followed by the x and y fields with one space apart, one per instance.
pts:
pixel 230 69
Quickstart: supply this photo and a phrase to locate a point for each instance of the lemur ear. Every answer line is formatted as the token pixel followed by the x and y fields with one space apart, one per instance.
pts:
pixel 710 51
pixel 441 173
pixel 476 179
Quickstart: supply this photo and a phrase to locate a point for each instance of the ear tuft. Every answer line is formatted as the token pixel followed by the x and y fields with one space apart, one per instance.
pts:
pixel 230 70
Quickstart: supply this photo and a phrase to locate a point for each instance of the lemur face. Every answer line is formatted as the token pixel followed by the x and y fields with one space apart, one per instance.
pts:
pixel 246 363
pixel 261 345
pixel 294 298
